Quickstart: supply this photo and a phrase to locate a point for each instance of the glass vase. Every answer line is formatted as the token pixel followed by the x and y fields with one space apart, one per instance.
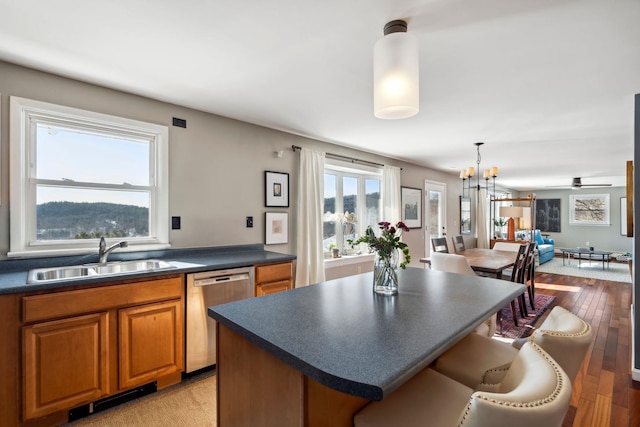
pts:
pixel 385 273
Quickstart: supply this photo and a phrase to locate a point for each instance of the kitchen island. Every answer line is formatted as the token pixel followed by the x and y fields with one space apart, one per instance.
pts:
pixel 315 355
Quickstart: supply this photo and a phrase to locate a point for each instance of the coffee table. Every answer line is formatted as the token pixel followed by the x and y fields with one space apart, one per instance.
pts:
pixel 583 253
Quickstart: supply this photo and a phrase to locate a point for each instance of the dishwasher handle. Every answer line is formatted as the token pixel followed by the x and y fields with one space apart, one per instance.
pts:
pixel 220 279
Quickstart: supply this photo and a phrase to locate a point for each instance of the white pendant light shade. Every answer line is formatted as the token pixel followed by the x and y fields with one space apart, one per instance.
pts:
pixel 396 67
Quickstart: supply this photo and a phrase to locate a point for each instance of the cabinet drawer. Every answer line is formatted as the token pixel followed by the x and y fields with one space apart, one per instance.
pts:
pixel 273 287
pixel 80 301
pixel 273 272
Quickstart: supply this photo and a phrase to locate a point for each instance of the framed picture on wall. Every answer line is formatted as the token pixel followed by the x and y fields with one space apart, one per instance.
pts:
pixel 589 209
pixel 548 215
pixel 276 189
pixel 411 201
pixel 276 228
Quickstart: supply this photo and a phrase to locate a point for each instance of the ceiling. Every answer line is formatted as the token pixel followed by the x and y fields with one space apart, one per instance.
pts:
pixel 547 85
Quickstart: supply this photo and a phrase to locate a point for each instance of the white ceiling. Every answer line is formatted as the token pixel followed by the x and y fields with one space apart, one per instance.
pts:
pixel 548 85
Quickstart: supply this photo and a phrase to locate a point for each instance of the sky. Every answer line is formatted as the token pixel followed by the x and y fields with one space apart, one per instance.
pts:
pixel 67 154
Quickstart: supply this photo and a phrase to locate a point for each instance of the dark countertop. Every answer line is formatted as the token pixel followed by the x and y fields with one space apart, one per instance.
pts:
pixel 344 336
pixel 13 273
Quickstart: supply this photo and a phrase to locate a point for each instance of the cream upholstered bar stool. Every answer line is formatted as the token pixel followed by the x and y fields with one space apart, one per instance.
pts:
pixel 479 360
pixel 534 392
pixel 452 263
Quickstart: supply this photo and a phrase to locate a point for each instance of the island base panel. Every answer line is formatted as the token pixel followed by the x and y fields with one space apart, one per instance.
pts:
pixel 255 388
pixel 325 406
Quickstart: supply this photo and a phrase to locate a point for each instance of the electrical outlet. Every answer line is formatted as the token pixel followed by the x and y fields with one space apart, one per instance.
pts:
pixel 249 222
pixel 175 223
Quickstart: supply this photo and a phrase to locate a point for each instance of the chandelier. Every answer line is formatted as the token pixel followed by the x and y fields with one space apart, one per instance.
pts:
pixel 467 174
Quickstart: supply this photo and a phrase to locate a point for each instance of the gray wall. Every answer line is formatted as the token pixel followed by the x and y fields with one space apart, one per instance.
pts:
pixel 606 238
pixel 216 164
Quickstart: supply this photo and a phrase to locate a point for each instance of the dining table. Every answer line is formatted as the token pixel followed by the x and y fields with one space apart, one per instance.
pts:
pixel 486 260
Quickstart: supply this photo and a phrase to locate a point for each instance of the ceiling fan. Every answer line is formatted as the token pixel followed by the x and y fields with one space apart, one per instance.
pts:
pixel 576 184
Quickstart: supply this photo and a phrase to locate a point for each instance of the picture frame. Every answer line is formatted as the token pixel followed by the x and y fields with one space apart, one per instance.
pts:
pixel 589 209
pixel 548 215
pixel 276 228
pixel 623 216
pixel 465 215
pixel 276 189
pixel 411 202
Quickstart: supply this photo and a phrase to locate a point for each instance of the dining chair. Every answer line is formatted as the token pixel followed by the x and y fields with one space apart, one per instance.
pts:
pixel 530 272
pixel 535 391
pixel 453 263
pixel 477 360
pixel 526 277
pixel 439 244
pixel 458 244
pixel 518 276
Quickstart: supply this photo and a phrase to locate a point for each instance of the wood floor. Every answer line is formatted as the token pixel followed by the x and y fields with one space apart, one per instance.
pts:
pixel 603 392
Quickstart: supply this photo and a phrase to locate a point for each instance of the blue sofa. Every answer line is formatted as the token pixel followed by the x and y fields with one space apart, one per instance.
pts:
pixel 546 247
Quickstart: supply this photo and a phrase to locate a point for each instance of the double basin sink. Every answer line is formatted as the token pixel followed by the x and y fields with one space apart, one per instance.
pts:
pixel 45 275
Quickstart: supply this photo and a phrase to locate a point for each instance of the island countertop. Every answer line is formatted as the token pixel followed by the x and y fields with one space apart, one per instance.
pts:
pixel 344 336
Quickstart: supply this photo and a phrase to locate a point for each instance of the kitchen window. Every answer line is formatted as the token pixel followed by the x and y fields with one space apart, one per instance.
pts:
pixel 352 202
pixel 77 176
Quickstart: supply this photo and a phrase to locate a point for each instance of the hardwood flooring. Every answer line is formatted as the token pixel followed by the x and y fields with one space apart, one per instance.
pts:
pixel 603 392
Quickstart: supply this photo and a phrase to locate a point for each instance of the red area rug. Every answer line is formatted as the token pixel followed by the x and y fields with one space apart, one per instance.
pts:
pixel 541 302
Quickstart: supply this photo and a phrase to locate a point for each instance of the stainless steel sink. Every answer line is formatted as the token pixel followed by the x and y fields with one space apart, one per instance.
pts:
pixel 43 275
pixel 131 266
pixel 59 273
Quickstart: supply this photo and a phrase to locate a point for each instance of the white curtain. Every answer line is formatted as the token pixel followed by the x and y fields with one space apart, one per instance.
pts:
pixel 310 256
pixel 482 220
pixel 391 194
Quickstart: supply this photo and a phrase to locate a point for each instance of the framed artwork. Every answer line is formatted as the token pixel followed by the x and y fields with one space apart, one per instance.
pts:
pixel 465 215
pixel 411 207
pixel 276 228
pixel 623 216
pixel 589 209
pixel 548 216
pixel 276 189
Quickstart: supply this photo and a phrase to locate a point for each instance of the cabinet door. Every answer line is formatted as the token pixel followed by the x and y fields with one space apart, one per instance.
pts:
pixel 65 363
pixel 151 342
pixel 273 287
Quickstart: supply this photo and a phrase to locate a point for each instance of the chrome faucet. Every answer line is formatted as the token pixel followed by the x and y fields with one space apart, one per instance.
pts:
pixel 103 251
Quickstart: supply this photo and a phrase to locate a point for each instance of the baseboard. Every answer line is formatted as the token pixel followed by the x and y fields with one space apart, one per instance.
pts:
pixel 635 372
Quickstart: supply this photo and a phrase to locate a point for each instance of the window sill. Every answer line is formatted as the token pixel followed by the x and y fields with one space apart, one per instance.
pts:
pixel 83 251
pixel 347 260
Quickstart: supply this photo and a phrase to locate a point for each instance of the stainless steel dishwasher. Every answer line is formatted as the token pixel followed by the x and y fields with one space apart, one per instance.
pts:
pixel 204 290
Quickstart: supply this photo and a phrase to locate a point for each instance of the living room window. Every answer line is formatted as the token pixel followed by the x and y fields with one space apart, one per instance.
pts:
pixel 351 203
pixel 77 176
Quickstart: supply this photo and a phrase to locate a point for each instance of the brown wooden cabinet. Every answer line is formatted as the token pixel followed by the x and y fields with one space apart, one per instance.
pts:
pixel 150 342
pixel 272 278
pixel 85 344
pixel 65 363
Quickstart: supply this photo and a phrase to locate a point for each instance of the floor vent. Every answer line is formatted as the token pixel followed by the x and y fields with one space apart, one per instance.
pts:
pixel 111 401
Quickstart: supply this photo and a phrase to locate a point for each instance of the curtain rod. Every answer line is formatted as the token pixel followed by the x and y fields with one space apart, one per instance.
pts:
pixel 341 157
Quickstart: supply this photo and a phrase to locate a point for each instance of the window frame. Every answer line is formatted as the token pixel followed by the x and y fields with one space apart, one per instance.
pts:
pixel 24 116
pixel 342 169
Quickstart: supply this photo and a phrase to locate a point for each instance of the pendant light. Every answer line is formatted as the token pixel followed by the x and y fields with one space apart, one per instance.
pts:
pixel 396 63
